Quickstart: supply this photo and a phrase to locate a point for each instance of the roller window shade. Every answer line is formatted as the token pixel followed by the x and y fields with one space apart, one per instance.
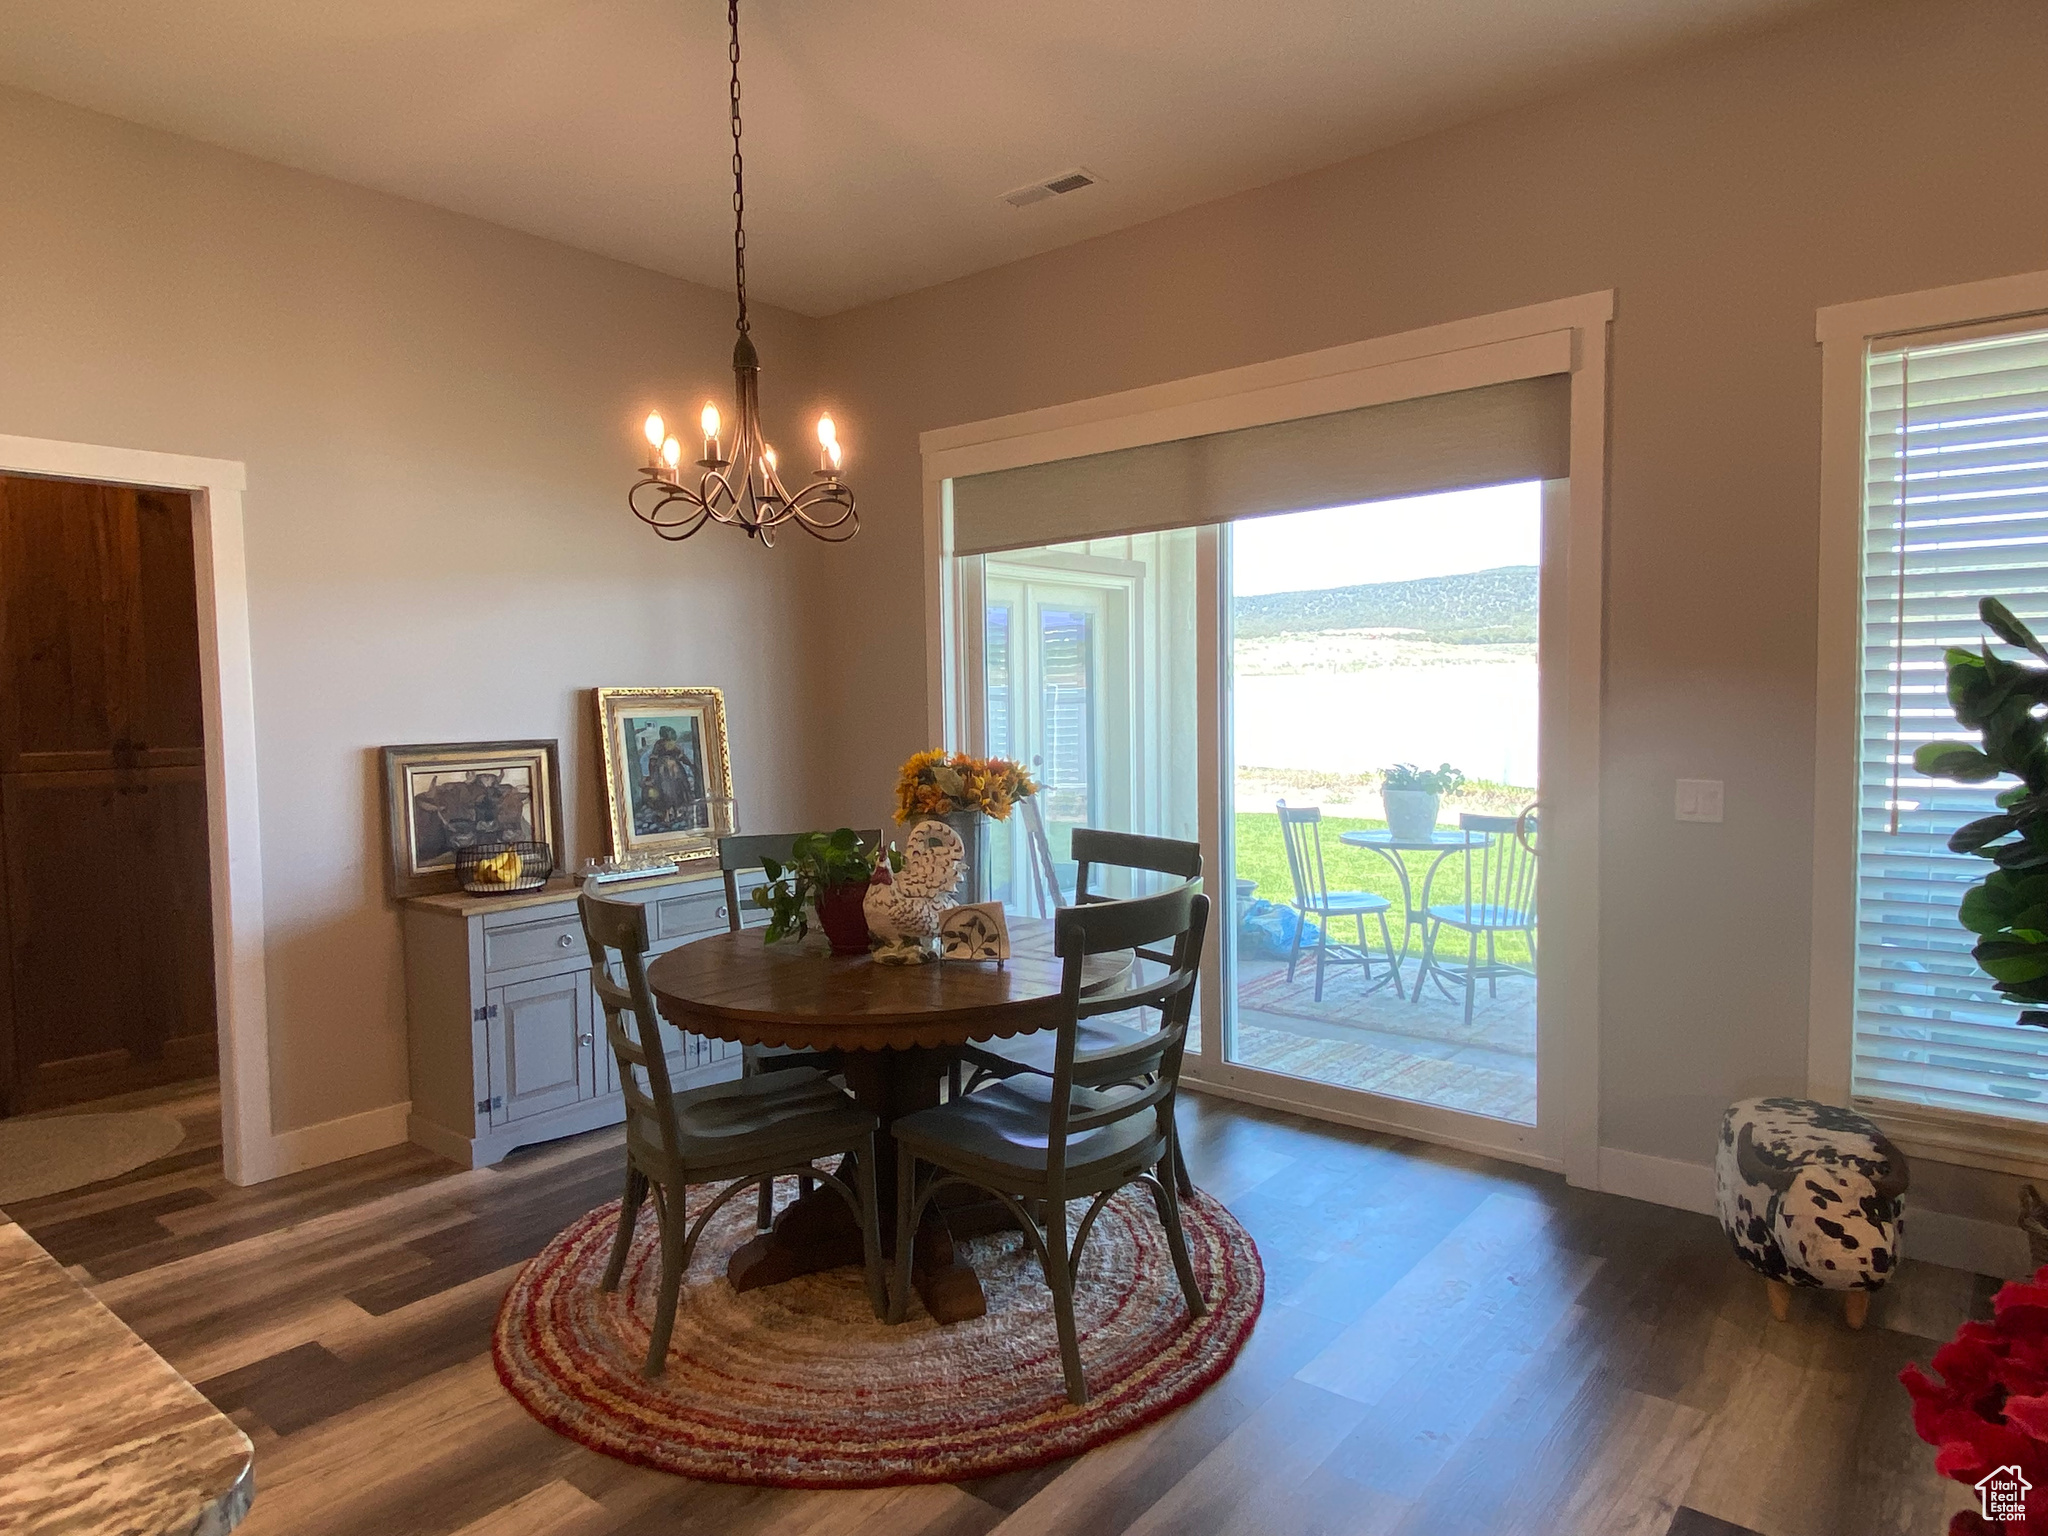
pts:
pixel 1494 435
pixel 1955 509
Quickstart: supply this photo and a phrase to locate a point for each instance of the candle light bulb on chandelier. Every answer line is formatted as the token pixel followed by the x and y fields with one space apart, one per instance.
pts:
pixel 740 486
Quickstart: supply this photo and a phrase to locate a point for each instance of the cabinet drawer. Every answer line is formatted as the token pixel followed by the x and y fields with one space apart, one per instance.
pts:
pixel 559 938
pixel 675 916
pixel 678 917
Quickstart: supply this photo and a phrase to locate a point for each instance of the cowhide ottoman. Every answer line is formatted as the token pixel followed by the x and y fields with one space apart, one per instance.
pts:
pixel 1810 1195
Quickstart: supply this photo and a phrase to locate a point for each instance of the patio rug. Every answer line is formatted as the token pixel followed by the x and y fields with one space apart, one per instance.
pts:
pixel 1504 1024
pixel 798 1386
pixel 1476 1089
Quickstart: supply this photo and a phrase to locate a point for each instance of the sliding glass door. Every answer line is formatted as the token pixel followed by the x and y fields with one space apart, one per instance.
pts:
pixel 1262 682
pixel 1380 814
pixel 1087 677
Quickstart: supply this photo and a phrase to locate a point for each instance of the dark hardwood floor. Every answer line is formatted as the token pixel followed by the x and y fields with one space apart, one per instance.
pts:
pixel 1450 1347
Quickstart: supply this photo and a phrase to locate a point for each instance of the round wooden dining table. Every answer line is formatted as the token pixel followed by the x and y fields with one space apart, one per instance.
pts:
pixel 898 1029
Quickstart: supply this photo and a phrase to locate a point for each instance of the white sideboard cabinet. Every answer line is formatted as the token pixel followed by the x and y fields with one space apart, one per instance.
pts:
pixel 505 1036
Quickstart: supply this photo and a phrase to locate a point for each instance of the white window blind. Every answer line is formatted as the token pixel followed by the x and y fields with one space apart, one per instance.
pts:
pixel 1956 509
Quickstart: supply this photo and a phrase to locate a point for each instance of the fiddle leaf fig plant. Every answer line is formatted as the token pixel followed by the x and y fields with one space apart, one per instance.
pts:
pixel 2004 702
pixel 818 861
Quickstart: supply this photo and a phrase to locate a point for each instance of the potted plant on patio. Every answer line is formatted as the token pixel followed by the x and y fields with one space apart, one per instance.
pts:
pixel 829 873
pixel 1413 796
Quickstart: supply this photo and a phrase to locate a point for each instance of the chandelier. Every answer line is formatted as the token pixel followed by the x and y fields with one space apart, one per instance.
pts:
pixel 737 482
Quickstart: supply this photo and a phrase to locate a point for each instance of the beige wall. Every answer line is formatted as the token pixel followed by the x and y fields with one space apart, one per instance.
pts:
pixel 1876 149
pixel 439 419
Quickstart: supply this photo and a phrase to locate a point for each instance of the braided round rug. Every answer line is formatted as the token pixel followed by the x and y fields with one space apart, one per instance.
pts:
pixel 798 1386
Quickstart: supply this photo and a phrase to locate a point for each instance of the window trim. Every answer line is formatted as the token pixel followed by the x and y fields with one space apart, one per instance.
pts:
pixel 1569 334
pixel 1845 332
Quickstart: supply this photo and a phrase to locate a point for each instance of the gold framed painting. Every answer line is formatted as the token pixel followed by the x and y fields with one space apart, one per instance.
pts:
pixel 667 771
pixel 442 797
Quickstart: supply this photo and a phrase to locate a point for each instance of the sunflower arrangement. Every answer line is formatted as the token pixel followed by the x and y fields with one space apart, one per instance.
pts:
pixel 939 783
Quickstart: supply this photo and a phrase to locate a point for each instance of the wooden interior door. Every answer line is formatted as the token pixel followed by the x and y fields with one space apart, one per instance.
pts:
pixel 108 924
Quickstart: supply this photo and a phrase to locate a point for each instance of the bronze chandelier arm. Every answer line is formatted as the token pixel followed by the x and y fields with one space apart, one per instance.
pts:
pixel 757 502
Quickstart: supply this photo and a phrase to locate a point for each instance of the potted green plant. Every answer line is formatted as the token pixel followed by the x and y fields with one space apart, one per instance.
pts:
pixel 828 873
pixel 2008 909
pixel 1413 796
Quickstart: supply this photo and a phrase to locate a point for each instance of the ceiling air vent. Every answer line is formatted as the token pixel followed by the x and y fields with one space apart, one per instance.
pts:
pixel 1039 191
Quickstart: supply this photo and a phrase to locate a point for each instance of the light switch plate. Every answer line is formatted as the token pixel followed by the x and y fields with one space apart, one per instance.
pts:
pixel 1699 799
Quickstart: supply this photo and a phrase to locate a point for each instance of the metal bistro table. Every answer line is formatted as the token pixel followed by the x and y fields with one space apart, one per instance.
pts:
pixel 1390 848
pixel 897 1029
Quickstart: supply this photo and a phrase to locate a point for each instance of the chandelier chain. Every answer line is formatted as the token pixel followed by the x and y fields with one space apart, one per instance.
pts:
pixel 739 190
pixel 736 483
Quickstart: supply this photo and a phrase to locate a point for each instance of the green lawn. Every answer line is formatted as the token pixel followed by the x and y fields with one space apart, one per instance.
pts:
pixel 1262 857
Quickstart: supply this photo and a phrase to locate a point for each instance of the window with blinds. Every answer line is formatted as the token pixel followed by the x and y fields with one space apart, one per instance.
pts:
pixel 1955 509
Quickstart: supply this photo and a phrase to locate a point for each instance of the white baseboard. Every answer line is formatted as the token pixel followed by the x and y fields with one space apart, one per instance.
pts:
pixel 438 1139
pixel 332 1140
pixel 1966 1242
pixel 1960 1242
pixel 1659 1180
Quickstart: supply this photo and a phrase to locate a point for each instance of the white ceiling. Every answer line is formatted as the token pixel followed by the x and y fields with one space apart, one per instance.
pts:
pixel 880 136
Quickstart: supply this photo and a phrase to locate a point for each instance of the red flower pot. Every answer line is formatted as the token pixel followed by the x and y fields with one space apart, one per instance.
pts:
pixel 840 915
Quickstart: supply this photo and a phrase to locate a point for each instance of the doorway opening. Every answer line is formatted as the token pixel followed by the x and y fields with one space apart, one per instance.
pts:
pixel 107 973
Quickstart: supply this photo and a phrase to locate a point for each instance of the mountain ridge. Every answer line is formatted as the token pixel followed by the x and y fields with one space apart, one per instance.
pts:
pixel 1494 606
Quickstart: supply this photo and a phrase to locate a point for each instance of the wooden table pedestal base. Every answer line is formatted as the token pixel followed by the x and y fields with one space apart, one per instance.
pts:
pixel 817 1231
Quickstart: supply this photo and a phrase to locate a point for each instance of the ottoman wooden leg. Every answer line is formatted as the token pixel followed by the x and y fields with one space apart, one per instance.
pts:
pixel 1781 1299
pixel 1856 1307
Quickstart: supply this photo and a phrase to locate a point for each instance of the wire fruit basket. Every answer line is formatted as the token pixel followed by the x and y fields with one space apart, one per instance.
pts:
pixel 504 869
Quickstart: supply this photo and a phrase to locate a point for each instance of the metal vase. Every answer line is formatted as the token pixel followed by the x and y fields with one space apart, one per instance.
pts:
pixel 973 829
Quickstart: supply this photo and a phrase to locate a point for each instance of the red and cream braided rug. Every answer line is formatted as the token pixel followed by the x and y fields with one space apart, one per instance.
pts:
pixel 797 1386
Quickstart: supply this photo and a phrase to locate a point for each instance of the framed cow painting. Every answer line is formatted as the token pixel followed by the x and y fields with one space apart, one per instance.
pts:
pixel 450 795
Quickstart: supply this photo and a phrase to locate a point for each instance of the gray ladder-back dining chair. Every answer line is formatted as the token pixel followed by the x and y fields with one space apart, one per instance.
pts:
pixel 1301 832
pixel 735 855
pixel 737 1133
pixel 1103 1120
pixel 1095 849
pixel 1501 898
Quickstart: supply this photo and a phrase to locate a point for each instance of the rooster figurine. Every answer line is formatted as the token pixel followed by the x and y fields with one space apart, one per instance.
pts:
pixel 903 908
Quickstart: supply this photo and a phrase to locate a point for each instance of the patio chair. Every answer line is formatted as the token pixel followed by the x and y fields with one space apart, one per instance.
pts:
pixel 1045 878
pixel 1301 830
pixel 1499 897
pixel 1104 1119
pixel 1037 1053
pixel 732 1133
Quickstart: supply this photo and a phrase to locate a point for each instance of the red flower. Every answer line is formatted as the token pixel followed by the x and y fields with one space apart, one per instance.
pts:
pixel 1989 1409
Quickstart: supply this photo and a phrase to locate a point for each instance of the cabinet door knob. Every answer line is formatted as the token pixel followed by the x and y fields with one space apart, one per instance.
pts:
pixel 583 1039
pixel 567 940
pixel 721 910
